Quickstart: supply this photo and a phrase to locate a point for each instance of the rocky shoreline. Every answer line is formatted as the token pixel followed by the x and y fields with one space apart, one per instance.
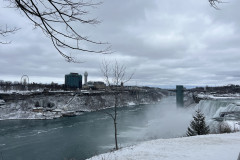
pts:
pixel 56 105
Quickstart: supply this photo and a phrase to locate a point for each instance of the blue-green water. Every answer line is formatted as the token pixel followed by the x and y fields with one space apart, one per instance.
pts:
pixel 77 137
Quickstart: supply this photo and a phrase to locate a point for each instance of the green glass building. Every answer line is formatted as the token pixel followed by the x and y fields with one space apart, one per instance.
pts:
pixel 73 81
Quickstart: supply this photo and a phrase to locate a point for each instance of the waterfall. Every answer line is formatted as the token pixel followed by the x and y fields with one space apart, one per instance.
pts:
pixel 212 109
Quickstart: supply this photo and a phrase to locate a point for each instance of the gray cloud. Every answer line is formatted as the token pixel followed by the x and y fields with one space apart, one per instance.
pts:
pixel 163 42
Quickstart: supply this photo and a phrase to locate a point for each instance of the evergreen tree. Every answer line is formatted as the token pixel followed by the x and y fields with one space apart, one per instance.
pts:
pixel 198 125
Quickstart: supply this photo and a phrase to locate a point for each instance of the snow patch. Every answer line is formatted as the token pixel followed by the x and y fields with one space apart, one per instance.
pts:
pixel 131 103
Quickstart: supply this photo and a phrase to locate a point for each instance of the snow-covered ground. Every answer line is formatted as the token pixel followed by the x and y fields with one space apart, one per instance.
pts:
pixel 208 147
pixel 2 101
pixel 19 92
pixel 218 96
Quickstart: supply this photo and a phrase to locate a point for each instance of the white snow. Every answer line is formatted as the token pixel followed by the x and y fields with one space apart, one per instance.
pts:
pixel 17 92
pixel 234 125
pixel 131 103
pixel 208 147
pixel 218 96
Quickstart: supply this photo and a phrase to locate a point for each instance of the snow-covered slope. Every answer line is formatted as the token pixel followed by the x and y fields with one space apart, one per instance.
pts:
pixel 208 147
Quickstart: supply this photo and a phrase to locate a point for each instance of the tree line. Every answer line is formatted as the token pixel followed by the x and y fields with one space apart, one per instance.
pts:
pixel 17 86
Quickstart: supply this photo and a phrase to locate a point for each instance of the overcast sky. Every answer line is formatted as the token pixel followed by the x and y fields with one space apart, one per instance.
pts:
pixel 165 42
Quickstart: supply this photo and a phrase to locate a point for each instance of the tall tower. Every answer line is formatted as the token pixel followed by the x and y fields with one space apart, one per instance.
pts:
pixel 85 78
pixel 180 95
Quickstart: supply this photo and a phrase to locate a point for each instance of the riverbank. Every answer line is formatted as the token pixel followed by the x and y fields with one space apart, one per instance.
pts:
pixel 214 147
pixel 56 105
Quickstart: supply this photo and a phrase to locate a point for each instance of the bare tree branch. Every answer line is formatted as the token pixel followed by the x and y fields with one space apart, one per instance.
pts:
pixel 57 19
pixel 114 73
pixel 111 115
pixel 4 32
pixel 214 3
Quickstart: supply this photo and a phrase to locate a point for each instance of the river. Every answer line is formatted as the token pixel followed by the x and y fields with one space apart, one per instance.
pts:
pixel 88 134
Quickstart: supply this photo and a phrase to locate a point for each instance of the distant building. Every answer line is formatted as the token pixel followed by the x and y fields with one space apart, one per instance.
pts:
pixel 90 84
pixel 95 85
pixel 99 85
pixel 85 78
pixel 73 80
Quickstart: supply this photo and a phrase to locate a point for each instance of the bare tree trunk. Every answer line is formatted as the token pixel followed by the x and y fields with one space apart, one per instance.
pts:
pixel 115 121
pixel 114 75
pixel 115 127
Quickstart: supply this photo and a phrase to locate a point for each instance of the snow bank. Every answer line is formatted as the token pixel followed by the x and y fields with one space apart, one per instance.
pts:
pixel 218 96
pixel 234 125
pixel 2 102
pixel 211 147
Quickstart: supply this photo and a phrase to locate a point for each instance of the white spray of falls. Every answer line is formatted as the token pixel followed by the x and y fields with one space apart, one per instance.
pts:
pixel 165 120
